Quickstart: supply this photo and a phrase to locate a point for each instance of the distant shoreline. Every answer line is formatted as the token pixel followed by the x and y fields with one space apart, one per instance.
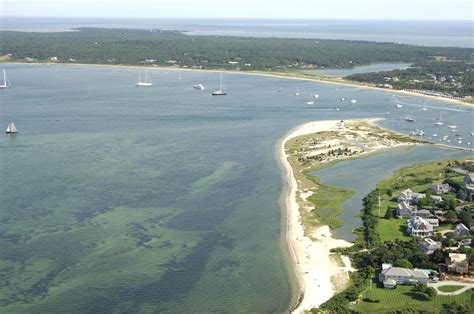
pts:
pixel 286 75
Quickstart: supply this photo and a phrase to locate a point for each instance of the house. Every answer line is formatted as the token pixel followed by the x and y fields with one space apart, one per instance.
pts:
pixel 440 188
pixel 437 199
pixel 410 196
pixel 423 213
pixel 469 178
pixel 458 263
pixel 404 209
pixel 421 227
pixel 54 59
pixel 429 246
pixel 462 231
pixel 391 276
pixel 465 242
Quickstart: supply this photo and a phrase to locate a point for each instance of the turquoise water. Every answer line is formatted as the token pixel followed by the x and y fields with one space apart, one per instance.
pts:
pixel 160 199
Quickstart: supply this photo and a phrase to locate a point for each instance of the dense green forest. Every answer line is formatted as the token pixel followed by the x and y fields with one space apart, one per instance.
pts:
pixel 453 77
pixel 126 46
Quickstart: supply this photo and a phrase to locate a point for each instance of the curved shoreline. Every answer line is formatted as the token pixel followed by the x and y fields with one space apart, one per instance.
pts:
pixel 284 75
pixel 314 280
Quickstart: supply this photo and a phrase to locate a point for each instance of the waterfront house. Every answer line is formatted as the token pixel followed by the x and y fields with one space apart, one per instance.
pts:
pixel 458 263
pixel 440 188
pixel 404 209
pixel 423 213
pixel 462 231
pixel 421 227
pixel 391 276
pixel 469 178
pixel 428 246
pixel 410 196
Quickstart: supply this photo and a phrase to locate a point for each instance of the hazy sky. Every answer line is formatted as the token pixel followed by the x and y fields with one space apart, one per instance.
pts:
pixel 317 9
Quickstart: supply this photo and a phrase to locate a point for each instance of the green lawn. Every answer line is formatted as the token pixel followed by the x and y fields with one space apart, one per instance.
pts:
pixel 449 288
pixel 399 299
pixel 392 229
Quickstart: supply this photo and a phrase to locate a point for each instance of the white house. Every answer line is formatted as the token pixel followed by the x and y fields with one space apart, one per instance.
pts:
pixel 404 209
pixel 410 196
pixel 391 276
pixel 440 188
pixel 469 178
pixel 429 246
pixel 420 227
pixel 458 263
pixel 437 199
pixel 462 231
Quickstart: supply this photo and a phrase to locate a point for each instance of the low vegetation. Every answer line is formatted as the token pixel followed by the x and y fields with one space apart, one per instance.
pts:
pixel 450 77
pixel 383 240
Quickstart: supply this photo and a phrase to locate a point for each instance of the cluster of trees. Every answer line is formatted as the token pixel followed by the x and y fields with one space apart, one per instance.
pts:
pixel 126 46
pixel 368 253
pixel 452 77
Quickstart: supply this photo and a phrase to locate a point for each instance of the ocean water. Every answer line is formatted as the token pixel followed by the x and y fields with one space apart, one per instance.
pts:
pixel 160 199
pixel 423 33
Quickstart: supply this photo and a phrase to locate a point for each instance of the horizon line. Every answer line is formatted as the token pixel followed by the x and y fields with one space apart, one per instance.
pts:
pixel 240 18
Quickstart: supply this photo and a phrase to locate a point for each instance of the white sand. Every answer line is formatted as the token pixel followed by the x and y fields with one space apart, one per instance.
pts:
pixel 312 262
pixel 313 265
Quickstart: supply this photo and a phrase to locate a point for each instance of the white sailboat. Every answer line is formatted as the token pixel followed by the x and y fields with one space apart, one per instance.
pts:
pixel 409 118
pixel 11 128
pixel 6 82
pixel 146 82
pixel 439 121
pixel 221 91
pixel 297 93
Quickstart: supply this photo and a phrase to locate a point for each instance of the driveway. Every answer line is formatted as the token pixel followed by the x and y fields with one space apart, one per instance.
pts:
pixel 466 286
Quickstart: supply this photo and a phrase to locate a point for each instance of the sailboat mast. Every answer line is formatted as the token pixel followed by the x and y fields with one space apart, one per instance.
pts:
pixel 220 81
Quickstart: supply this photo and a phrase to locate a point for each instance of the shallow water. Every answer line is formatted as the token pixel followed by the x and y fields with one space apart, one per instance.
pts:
pixel 156 199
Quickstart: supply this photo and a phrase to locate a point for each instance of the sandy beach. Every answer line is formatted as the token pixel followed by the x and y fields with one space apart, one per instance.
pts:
pixel 317 273
pixel 313 265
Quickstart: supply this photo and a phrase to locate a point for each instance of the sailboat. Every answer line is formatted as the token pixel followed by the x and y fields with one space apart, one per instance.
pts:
pixel 11 128
pixel 6 82
pixel 409 118
pixel 221 91
pixel 146 82
pixel 297 93
pixel 439 121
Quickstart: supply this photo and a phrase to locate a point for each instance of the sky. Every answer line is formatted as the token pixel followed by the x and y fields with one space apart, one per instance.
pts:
pixel 291 9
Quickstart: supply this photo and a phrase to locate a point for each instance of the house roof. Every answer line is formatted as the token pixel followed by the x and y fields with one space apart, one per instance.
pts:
pixel 457 257
pixel 404 272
